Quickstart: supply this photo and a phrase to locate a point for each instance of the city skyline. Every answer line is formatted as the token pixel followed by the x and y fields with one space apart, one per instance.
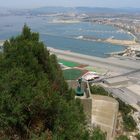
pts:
pixel 70 3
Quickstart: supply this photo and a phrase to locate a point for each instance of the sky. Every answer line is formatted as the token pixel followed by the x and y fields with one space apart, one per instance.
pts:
pixel 69 3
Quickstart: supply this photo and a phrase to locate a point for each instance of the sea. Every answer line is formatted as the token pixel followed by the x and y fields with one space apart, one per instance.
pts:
pixel 66 36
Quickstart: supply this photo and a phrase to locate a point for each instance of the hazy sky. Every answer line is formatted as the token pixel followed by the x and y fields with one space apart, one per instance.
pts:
pixel 71 3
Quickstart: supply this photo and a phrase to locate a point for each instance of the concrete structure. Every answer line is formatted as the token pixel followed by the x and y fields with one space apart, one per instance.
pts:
pixel 101 111
pixel 104 114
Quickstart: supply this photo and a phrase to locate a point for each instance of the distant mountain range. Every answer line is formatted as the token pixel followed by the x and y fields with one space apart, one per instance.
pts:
pixel 85 10
pixel 90 10
pixel 52 10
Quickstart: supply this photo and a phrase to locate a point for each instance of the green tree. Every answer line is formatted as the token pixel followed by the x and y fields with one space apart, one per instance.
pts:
pixel 98 90
pixel 122 137
pixel 124 108
pixel 138 136
pixel 98 135
pixel 129 123
pixel 34 97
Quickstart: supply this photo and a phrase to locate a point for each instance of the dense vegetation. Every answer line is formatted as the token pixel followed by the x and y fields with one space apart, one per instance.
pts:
pixel 129 123
pixel 124 108
pixel 98 135
pixel 35 102
pixel 122 137
pixel 98 90
pixel 138 136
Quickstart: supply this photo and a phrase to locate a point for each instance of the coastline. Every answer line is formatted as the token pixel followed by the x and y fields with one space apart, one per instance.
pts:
pixel 127 43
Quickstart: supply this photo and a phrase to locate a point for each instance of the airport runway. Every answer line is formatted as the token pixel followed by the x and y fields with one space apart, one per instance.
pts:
pixel 116 65
pixel 126 67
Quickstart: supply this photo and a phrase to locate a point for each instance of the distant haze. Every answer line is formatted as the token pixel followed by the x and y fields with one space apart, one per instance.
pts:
pixel 70 3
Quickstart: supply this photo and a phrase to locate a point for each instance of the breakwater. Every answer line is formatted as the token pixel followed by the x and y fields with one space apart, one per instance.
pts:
pixel 126 43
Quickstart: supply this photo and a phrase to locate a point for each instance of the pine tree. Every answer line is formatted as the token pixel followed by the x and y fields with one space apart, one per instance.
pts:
pixel 34 97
